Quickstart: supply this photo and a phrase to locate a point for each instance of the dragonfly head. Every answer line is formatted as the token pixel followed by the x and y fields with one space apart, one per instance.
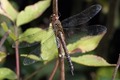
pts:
pixel 54 17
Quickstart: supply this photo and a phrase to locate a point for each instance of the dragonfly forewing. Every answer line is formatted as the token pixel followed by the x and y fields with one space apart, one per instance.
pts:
pixel 82 17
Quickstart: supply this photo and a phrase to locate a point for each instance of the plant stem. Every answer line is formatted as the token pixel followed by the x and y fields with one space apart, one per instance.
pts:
pixel 4 38
pixel 116 69
pixel 61 62
pixel 62 68
pixel 59 44
pixel 55 7
pixel 17 55
pixel 54 70
pixel 17 60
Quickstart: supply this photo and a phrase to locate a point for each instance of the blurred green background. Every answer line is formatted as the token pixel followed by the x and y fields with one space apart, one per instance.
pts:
pixel 108 48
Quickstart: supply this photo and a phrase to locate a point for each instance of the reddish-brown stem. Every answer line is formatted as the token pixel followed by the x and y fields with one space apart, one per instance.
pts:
pixel 61 62
pixel 16 49
pixel 116 69
pixel 17 59
pixel 54 70
pixel 61 56
pixel 62 69
pixel 60 48
pixel 4 38
pixel 55 7
pixel 17 55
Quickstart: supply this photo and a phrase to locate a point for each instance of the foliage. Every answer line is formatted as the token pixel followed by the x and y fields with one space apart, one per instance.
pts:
pixel 46 38
pixel 6 73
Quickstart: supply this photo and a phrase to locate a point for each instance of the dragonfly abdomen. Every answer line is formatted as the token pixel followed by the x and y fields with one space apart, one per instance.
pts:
pixel 70 63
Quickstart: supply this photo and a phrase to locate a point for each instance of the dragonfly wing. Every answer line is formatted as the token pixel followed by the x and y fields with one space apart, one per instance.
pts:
pixel 83 31
pixel 25 44
pixel 74 34
pixel 44 52
pixel 85 39
pixel 31 36
pixel 96 29
pixel 36 52
pixel 49 49
pixel 82 17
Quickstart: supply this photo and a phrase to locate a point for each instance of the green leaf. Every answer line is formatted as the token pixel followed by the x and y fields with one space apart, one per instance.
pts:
pixel 31 56
pixel 32 12
pixel 46 38
pixel 85 44
pixel 5 28
pixel 90 60
pixel 35 34
pixel 2 56
pixel 7 9
pixel 86 40
pixel 6 73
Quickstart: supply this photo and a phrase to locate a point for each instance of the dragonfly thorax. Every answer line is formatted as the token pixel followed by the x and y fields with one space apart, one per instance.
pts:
pixel 57 27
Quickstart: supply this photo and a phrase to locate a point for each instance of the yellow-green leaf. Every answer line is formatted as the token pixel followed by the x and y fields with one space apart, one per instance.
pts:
pixel 5 28
pixel 6 73
pixel 7 9
pixel 32 12
pixel 85 44
pixel 87 39
pixel 46 38
pixel 91 60
pixel 2 56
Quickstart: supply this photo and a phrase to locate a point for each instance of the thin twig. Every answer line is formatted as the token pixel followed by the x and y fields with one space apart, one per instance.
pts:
pixel 55 7
pixel 4 38
pixel 116 69
pixel 62 68
pixel 54 70
pixel 61 62
pixel 59 44
pixel 17 54
pixel 16 48
pixel 61 59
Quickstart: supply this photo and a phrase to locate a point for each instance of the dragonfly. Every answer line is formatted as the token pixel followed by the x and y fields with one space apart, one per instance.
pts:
pixel 69 27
